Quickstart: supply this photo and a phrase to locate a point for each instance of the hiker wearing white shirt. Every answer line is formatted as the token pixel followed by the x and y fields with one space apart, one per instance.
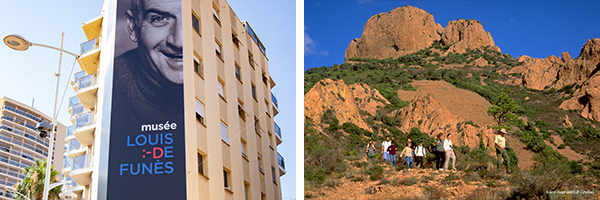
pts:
pixel 384 146
pixel 449 153
pixel 500 144
pixel 419 155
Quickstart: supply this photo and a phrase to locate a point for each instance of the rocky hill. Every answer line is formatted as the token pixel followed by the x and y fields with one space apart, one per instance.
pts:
pixel 410 77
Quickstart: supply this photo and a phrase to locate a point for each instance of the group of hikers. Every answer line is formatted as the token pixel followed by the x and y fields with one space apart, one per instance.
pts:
pixel 443 152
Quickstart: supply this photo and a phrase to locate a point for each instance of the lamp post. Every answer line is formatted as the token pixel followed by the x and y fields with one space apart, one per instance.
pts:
pixel 19 43
pixel 14 190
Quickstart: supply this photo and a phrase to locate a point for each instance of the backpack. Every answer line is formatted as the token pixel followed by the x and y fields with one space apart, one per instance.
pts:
pixel 432 148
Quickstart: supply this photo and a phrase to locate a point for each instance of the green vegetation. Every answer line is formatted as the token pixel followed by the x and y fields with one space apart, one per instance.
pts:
pixel 533 116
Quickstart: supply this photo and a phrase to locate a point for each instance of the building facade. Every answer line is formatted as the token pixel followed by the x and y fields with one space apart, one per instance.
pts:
pixel 231 136
pixel 20 145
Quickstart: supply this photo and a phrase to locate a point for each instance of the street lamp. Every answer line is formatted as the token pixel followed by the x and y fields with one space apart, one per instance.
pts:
pixel 19 43
pixel 14 190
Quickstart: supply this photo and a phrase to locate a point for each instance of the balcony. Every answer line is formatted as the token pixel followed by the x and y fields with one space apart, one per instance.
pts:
pixel 93 28
pixel 80 168
pixel 75 149
pixel 275 105
pixel 278 131
pixel 75 107
pixel 24 113
pixel 85 126
pixel 86 88
pixel 281 162
pixel 89 54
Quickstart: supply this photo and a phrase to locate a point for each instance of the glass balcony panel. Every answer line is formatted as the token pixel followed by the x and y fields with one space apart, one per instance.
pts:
pixel 30 126
pixel 29 146
pixel 281 161
pixel 14 162
pixel 274 100
pixel 74 144
pixel 8 128
pixel 277 130
pixel 69 132
pixel 83 120
pixel 75 100
pixel 80 162
pixel 86 81
pixel 89 45
pixel 77 109
pixel 19 132
pixel 3 159
pixel 67 162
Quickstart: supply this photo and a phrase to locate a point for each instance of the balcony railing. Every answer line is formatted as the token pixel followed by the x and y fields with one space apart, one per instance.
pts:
pixel 84 119
pixel 74 145
pixel 69 131
pixel 281 161
pixel 76 109
pixel 89 45
pixel 86 81
pixel 277 130
pixel 274 99
pixel 24 113
pixel 74 100
pixel 81 162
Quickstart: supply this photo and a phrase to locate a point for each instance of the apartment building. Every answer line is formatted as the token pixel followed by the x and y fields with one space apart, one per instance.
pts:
pixel 228 139
pixel 20 145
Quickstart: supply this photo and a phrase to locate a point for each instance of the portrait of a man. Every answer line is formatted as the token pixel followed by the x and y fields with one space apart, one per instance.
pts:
pixel 147 93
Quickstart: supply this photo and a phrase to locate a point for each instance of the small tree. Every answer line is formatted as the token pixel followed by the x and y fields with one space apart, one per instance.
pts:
pixel 33 184
pixel 503 110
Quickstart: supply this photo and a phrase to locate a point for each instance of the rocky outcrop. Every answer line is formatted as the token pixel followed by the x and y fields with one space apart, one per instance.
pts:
pixel 396 33
pixel 537 73
pixel 466 34
pixel 334 95
pixel 367 99
pixel 586 99
pixel 591 51
pixel 431 117
pixel 567 123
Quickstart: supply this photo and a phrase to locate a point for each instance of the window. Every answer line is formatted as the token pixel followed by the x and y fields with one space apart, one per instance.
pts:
pixel 264 78
pixel 218 50
pixel 260 163
pixel 198 68
pixel 221 88
pixel 256 125
pixel 273 174
pixel 241 111
pixel 263 196
pixel 247 190
pixel 196 23
pixel 235 39
pixel 270 143
pixel 243 149
pixel 266 106
pixel 251 60
pixel 238 73
pixel 253 91
pixel 201 164
pixel 199 111
pixel 216 14
pixel 225 179
pixel 224 136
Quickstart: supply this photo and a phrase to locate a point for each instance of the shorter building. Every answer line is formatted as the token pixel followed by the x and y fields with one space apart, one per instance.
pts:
pixel 20 145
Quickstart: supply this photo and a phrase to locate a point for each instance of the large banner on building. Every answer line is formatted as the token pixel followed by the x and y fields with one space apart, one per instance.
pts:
pixel 147 147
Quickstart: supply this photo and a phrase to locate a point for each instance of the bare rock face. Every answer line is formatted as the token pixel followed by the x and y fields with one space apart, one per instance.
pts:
pixel 431 117
pixel 334 95
pixel 587 99
pixel 574 71
pixel 396 33
pixel 480 62
pixel 591 51
pixel 567 123
pixel 537 73
pixel 367 99
pixel 466 34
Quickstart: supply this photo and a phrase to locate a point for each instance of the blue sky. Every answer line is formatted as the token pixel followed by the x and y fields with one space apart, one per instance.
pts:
pixel 535 28
pixel 29 75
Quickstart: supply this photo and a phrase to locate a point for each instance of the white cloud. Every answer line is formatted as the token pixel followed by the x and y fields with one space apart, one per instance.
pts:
pixel 310 47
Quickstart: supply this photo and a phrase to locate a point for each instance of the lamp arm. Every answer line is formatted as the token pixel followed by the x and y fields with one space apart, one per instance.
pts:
pixel 51 47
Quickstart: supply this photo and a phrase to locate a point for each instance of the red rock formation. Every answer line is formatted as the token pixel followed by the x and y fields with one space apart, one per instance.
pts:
pixel 334 95
pixel 367 99
pixel 537 73
pixel 466 34
pixel 396 33
pixel 431 117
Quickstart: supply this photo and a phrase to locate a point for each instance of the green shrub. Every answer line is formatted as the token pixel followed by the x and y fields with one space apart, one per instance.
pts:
pixel 561 146
pixel 410 181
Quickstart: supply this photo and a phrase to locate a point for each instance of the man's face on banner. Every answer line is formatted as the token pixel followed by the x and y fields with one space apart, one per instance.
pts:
pixel 158 30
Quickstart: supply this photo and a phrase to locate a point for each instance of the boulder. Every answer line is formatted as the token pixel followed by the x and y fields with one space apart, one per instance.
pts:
pixel 537 73
pixel 396 33
pixel 367 99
